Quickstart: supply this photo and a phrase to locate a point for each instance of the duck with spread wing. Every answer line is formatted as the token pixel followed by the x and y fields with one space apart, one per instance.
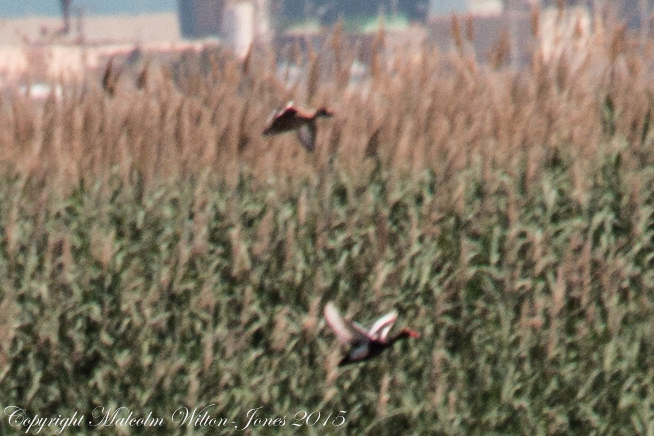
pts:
pixel 364 344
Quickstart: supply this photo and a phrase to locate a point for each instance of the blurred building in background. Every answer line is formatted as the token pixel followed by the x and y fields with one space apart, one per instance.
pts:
pixel 495 25
pixel 199 18
pixel 487 24
pixel 236 21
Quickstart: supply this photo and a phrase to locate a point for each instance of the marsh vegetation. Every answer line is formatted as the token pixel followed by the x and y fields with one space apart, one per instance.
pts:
pixel 158 252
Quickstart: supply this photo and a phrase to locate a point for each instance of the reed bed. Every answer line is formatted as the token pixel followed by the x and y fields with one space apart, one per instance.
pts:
pixel 159 253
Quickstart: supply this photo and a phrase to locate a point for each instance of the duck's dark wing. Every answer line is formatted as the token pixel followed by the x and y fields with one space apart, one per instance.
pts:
pixel 346 331
pixel 279 121
pixel 307 136
pixel 287 111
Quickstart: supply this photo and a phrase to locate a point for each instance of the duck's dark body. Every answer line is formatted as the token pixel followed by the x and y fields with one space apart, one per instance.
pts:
pixel 372 350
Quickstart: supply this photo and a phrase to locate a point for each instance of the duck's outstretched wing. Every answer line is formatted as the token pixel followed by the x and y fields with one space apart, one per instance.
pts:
pixel 346 331
pixel 383 326
pixel 278 118
pixel 307 136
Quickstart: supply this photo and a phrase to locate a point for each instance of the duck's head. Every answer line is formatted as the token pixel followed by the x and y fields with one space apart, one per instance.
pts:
pixel 408 333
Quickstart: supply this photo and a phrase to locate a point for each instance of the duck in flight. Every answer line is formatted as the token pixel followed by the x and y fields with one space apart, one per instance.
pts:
pixel 364 344
pixel 291 119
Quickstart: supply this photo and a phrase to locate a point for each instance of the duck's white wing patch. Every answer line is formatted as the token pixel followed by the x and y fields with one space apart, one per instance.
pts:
pixel 345 330
pixel 383 326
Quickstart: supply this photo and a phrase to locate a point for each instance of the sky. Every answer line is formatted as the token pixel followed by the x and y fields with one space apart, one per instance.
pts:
pixel 21 8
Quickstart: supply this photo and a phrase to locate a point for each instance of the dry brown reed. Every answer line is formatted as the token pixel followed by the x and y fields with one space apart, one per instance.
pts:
pixel 410 111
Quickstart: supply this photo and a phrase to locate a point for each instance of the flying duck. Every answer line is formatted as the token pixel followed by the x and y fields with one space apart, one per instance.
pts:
pixel 364 344
pixel 291 118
